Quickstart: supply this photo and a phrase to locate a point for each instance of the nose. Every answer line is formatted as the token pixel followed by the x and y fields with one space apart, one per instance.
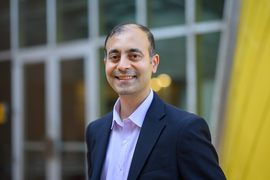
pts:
pixel 123 64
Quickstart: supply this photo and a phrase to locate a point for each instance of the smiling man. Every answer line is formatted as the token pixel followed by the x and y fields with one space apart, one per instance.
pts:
pixel 143 137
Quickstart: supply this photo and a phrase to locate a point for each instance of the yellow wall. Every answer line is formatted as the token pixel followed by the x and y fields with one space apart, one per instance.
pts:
pixel 245 152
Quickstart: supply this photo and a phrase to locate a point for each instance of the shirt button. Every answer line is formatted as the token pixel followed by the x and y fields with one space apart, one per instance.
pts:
pixel 120 168
pixel 125 141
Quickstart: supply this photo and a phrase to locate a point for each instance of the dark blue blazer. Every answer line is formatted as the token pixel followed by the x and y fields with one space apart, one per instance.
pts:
pixel 173 144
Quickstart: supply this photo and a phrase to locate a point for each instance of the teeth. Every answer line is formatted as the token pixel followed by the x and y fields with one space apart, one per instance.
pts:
pixel 123 78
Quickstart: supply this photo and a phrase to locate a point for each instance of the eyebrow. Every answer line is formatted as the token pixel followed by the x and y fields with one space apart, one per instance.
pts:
pixel 113 51
pixel 130 50
pixel 135 50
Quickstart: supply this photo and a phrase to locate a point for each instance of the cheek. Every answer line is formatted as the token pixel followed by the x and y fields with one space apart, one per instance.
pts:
pixel 143 67
pixel 109 69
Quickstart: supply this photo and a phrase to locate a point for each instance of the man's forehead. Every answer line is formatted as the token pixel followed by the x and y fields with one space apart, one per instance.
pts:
pixel 128 27
pixel 128 30
pixel 134 35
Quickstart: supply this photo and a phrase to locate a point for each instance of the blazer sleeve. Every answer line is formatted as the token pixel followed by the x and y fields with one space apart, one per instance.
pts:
pixel 197 157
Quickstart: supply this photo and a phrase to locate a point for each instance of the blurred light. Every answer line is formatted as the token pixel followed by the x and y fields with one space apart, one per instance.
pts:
pixel 2 113
pixel 156 84
pixel 165 80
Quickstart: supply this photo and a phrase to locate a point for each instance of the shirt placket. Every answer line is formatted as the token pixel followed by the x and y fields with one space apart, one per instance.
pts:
pixel 126 133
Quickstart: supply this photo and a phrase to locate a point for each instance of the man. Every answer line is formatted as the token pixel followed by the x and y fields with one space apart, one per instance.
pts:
pixel 143 137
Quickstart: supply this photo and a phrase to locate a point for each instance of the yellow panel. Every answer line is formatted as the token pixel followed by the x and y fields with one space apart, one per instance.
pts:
pixel 258 166
pixel 237 80
pixel 2 113
pixel 245 152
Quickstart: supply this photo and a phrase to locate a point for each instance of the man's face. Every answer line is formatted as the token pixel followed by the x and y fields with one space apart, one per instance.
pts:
pixel 128 67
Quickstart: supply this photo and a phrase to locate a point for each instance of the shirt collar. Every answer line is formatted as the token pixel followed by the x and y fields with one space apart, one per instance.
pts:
pixel 137 117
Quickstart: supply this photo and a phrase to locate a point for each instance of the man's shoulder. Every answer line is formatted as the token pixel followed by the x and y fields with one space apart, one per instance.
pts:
pixel 172 110
pixel 176 117
pixel 98 122
pixel 98 127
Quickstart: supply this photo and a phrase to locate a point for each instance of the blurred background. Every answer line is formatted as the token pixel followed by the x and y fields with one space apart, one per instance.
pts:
pixel 214 62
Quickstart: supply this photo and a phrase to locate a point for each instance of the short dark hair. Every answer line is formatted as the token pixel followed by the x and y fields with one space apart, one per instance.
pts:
pixel 122 27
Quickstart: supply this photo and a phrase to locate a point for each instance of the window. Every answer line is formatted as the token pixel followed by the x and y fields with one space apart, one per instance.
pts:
pixel 72 20
pixel 32 22
pixel 4 25
pixel 112 13
pixel 165 13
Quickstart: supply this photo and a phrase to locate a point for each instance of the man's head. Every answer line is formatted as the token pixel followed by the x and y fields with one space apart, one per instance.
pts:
pixel 123 27
pixel 130 60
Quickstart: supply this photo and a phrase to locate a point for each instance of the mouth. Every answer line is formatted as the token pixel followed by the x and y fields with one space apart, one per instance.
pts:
pixel 125 77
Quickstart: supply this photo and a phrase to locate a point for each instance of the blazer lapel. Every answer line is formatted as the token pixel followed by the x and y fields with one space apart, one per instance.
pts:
pixel 101 145
pixel 150 132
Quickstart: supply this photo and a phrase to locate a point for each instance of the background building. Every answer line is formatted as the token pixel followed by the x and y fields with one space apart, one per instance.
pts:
pixel 52 80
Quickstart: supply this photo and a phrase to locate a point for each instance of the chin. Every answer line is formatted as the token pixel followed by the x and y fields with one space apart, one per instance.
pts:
pixel 125 93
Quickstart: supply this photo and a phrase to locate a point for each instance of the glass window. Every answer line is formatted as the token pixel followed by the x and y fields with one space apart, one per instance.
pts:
pixel 32 25
pixel 4 24
pixel 207 50
pixel 34 165
pixel 34 102
pixel 72 108
pixel 172 63
pixel 73 165
pixel 209 10
pixel 72 100
pixel 5 126
pixel 72 20
pixel 165 13
pixel 34 162
pixel 113 13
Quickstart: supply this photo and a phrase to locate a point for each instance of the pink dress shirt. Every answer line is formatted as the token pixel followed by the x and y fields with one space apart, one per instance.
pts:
pixel 123 139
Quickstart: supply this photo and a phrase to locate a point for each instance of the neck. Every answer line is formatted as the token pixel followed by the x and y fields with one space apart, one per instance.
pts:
pixel 129 103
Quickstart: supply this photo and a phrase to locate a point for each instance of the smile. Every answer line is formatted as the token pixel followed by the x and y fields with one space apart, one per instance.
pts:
pixel 125 78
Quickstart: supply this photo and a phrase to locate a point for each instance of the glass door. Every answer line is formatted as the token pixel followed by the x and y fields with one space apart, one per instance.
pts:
pixel 53 116
pixel 72 119
pixel 34 121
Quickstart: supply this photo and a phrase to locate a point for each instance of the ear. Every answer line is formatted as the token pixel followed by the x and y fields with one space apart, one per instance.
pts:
pixel 155 62
pixel 105 61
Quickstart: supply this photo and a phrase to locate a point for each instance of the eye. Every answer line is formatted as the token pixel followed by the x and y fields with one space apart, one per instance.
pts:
pixel 134 56
pixel 114 57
